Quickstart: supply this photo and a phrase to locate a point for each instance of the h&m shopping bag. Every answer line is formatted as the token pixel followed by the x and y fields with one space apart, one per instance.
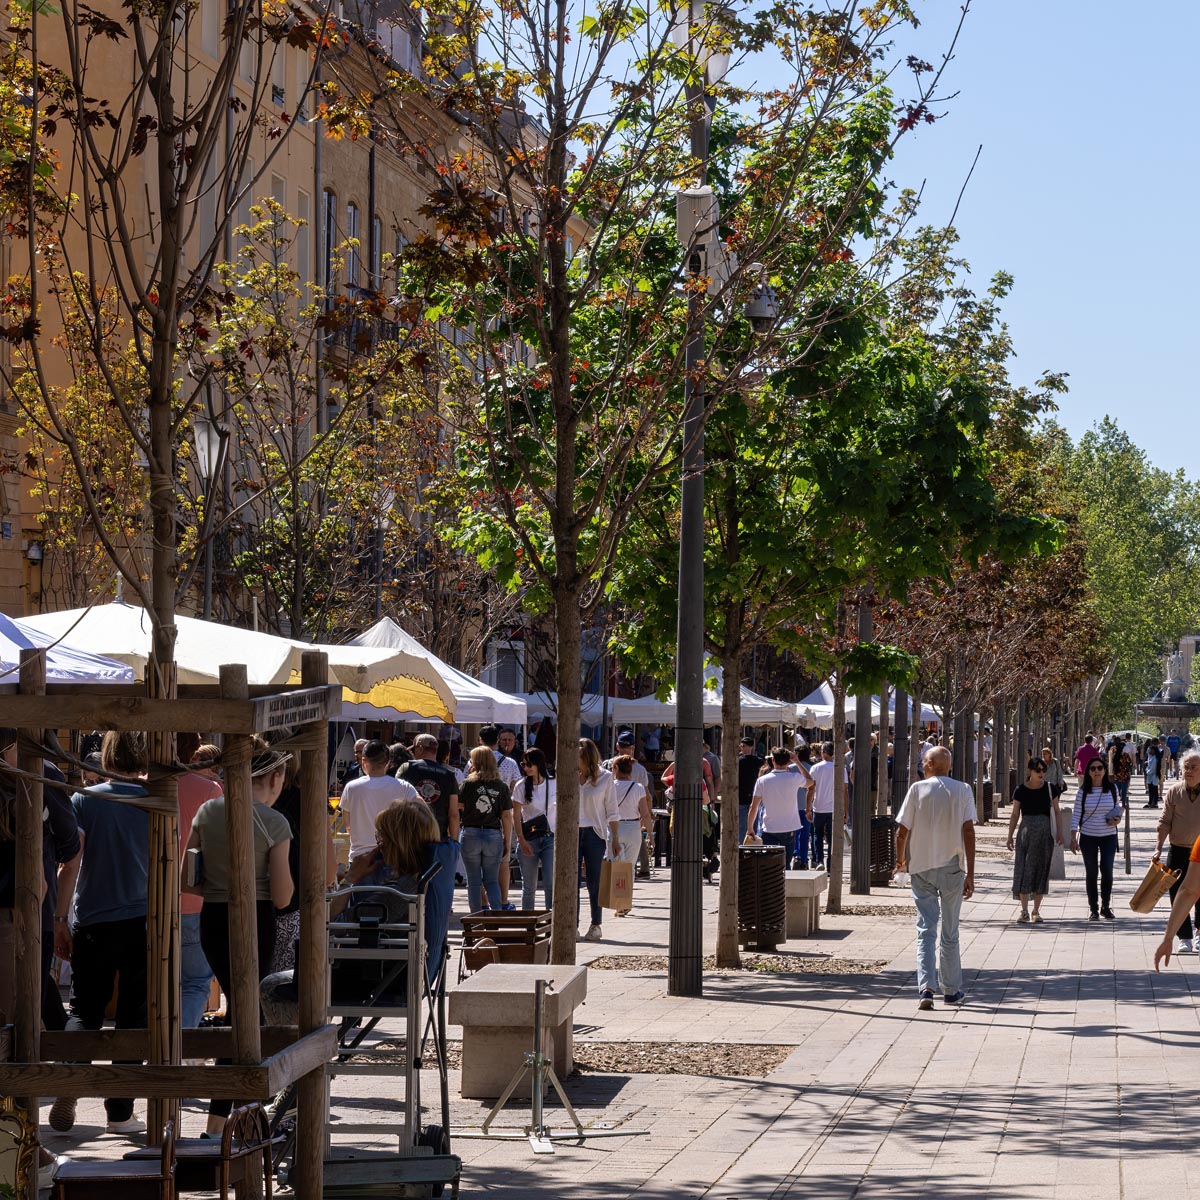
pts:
pixel 616 885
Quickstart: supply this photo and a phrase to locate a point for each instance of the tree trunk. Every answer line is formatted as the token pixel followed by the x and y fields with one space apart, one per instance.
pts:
pixel 731 732
pixel 881 778
pixel 836 838
pixel 566 835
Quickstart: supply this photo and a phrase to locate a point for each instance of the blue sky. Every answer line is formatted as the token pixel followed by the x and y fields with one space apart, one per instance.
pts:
pixel 1086 191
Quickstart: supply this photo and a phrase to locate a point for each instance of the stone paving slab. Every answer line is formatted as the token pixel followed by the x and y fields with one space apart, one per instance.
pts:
pixel 1066 1075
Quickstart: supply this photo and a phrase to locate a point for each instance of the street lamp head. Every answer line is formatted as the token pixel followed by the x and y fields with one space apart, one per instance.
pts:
pixel 208 436
pixel 762 305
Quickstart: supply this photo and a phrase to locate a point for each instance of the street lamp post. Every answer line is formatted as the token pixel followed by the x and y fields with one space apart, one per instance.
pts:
pixel 698 233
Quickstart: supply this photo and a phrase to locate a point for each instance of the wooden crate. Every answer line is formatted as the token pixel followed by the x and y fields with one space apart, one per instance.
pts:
pixel 522 936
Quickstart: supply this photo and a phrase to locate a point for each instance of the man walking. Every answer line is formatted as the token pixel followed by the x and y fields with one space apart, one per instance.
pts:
pixel 1153 772
pixel 1179 826
pixel 1085 754
pixel 822 804
pixel 749 765
pixel 512 775
pixel 936 843
pixel 364 798
pixel 778 793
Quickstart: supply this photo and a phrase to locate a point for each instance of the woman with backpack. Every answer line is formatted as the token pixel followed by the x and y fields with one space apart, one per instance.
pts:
pixel 1033 806
pixel 1094 820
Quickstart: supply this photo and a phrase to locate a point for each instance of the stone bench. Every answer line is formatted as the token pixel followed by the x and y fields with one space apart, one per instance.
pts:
pixel 802 891
pixel 495 1009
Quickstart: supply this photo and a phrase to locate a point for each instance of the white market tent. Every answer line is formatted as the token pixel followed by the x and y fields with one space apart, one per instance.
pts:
pixel 756 709
pixel 475 702
pixel 816 709
pixel 545 704
pixel 380 677
pixel 65 663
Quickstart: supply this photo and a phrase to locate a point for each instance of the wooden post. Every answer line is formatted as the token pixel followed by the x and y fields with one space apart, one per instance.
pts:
pixel 27 907
pixel 314 823
pixel 243 917
pixel 163 1005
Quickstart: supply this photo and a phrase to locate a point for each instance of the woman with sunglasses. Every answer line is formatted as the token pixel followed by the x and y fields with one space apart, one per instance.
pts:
pixel 1033 806
pixel 1094 819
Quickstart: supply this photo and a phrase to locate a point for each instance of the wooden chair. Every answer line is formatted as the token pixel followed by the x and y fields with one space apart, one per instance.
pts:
pixel 205 1163
pixel 149 1178
pixel 18 1149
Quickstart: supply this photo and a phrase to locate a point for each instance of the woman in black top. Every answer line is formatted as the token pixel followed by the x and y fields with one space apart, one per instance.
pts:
pixel 485 811
pixel 1041 829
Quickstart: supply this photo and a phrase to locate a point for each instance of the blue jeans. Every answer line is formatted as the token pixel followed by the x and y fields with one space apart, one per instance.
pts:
pixel 195 975
pixel 439 901
pixel 781 839
pixel 939 894
pixel 800 847
pixel 482 853
pixel 822 837
pixel 743 815
pixel 543 855
pixel 591 850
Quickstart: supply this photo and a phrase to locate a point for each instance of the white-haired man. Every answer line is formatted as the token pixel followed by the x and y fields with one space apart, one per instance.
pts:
pixel 1179 826
pixel 935 841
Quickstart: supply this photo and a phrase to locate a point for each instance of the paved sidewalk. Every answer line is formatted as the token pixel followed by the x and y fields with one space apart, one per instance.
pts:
pixel 1064 1075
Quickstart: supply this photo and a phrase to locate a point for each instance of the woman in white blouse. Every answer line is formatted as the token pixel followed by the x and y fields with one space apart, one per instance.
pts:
pixel 595 807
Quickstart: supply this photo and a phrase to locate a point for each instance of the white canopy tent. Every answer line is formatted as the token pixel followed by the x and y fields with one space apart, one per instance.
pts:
pixel 380 677
pixel 756 709
pixel 816 709
pixel 475 702
pixel 65 663
pixel 545 704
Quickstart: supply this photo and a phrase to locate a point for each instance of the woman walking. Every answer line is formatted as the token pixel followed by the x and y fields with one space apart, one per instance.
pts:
pixel 485 810
pixel 536 808
pixel 1094 819
pixel 1034 808
pixel 595 807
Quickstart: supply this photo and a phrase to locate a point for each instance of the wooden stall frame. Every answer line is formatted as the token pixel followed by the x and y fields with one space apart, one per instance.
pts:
pixel 298 1056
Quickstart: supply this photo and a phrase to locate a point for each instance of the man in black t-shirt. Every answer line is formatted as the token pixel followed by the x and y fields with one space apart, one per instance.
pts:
pixel 749 765
pixel 435 784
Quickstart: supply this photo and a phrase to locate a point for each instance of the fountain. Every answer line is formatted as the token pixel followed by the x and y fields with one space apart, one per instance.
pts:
pixel 1170 702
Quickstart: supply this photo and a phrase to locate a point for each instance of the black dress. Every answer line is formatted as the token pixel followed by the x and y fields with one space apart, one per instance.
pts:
pixel 1035 842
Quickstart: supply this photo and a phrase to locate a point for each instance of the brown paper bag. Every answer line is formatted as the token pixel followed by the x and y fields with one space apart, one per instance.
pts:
pixel 1153 888
pixel 616 885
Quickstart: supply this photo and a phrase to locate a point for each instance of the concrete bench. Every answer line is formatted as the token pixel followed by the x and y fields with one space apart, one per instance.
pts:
pixel 495 1009
pixel 802 891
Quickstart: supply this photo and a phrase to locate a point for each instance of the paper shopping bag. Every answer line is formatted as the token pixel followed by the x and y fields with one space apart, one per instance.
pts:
pixel 1153 888
pixel 616 885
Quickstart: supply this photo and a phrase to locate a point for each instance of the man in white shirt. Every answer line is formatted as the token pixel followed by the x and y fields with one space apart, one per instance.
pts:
pixel 936 843
pixel 821 799
pixel 363 799
pixel 777 792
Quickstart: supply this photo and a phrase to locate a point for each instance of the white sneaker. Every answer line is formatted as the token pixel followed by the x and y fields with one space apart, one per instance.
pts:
pixel 594 934
pixel 46 1173
pixel 133 1125
pixel 1186 946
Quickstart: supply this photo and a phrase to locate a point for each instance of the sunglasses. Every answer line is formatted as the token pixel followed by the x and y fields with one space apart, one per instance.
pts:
pixel 1096 767
pixel 1039 767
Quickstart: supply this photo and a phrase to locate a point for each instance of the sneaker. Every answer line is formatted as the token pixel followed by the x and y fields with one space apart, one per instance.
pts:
pixel 62 1114
pixel 509 907
pixel 926 1001
pixel 1036 919
pixel 1186 946
pixel 594 934
pixel 1093 915
pixel 1023 918
pixel 1108 914
pixel 46 1172
pixel 129 1126
pixel 956 999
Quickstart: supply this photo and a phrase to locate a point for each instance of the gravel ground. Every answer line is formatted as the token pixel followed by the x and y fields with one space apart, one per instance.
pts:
pixel 777 964
pixel 649 1058
pixel 907 911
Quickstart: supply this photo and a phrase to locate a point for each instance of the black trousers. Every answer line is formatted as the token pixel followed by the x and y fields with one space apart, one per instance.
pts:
pixel 1178 858
pixel 1098 855
pixel 214 941
pixel 102 954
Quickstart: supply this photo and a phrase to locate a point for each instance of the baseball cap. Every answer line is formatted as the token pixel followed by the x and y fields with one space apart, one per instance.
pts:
pixel 626 739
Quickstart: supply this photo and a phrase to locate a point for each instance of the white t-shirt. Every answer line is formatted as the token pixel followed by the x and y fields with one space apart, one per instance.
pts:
pixel 779 794
pixel 628 794
pixel 638 774
pixel 509 768
pixel 934 813
pixel 363 799
pixel 823 781
pixel 543 801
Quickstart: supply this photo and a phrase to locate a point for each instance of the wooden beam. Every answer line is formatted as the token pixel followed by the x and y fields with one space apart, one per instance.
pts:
pixel 127 713
pixel 305 1057
pixel 313 972
pixel 133 1082
pixel 30 882
pixel 243 916
pixel 107 1045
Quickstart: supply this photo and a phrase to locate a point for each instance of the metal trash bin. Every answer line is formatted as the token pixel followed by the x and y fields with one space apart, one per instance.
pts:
pixel 883 851
pixel 762 899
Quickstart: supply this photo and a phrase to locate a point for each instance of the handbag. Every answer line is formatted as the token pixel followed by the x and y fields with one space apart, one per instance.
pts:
pixel 616 885
pixel 1157 882
pixel 538 826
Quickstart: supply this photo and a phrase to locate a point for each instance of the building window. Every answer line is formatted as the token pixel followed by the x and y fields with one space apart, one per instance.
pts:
pixel 303 238
pixel 352 250
pixel 506 665
pixel 329 245
pixel 210 27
